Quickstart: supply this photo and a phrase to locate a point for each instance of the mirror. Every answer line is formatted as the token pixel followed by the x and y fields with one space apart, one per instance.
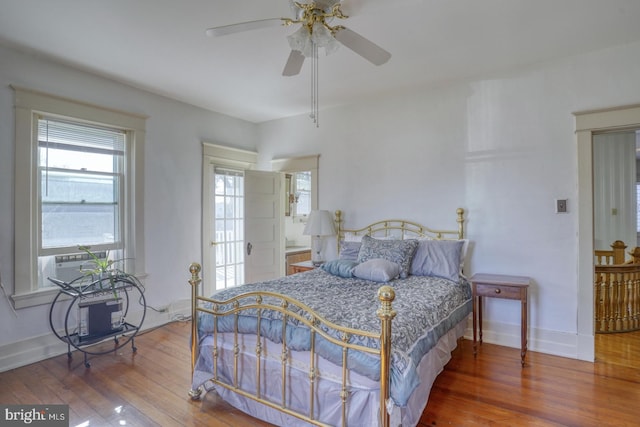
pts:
pixel 297 198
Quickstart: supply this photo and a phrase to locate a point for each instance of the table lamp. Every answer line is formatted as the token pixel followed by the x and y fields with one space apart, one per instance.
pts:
pixel 319 224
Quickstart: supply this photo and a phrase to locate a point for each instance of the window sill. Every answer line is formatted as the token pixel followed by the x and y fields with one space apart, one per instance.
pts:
pixel 45 296
pixel 32 299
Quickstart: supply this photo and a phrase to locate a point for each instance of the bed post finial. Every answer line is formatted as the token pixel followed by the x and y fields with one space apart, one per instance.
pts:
pixel 194 269
pixel 460 220
pixel 386 313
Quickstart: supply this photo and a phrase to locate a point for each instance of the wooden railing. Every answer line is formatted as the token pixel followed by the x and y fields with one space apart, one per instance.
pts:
pixel 617 298
pixel 617 289
pixel 611 257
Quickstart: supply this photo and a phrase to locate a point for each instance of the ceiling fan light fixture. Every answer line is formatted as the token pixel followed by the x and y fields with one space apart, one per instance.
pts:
pixel 302 40
pixel 322 37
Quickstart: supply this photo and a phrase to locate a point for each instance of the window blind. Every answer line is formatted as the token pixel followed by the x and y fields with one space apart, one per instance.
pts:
pixel 55 133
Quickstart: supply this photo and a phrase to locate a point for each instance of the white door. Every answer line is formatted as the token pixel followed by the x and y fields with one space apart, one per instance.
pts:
pixel 263 225
pixel 224 210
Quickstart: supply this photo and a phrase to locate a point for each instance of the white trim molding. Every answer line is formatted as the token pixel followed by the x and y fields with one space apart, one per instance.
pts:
pixel 546 341
pixel 228 156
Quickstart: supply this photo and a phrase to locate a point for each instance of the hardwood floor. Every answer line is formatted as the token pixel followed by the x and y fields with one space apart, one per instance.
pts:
pixel 549 391
pixel 149 388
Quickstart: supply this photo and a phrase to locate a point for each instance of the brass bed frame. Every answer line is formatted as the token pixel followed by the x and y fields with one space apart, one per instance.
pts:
pixel 315 323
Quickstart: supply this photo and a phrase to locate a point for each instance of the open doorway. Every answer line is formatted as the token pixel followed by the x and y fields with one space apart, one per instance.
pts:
pixel 588 126
pixel 615 200
pixel 300 198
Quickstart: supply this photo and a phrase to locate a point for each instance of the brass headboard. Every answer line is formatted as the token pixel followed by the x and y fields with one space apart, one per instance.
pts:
pixel 401 229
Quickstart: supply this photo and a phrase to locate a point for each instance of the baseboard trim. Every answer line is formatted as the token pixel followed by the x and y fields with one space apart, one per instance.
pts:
pixel 556 343
pixel 32 350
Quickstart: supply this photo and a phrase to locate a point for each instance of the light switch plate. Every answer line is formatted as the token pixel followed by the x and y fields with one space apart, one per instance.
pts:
pixel 561 206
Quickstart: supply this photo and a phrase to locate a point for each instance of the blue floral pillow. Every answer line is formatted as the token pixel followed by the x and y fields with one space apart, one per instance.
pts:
pixel 398 251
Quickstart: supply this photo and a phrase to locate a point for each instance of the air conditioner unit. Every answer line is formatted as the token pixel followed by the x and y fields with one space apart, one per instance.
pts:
pixel 68 267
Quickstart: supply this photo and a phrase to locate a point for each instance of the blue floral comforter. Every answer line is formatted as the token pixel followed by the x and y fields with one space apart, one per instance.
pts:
pixel 427 308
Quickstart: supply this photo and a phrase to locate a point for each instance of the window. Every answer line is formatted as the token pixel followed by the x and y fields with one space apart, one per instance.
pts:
pixel 81 177
pixel 79 173
pixel 302 191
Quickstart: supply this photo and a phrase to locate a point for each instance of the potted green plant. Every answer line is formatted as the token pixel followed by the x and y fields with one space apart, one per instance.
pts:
pixel 101 270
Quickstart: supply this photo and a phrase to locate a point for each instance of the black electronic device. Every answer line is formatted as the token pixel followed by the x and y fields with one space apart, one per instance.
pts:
pixel 99 317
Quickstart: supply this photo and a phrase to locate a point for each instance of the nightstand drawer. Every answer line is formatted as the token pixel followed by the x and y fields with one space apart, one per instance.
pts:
pixel 497 291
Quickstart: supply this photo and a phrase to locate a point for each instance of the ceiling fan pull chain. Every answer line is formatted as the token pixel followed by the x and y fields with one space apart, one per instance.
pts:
pixel 311 112
pixel 314 84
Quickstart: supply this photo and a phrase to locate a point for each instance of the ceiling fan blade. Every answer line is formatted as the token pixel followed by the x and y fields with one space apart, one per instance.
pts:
pixel 363 47
pixel 243 26
pixel 294 63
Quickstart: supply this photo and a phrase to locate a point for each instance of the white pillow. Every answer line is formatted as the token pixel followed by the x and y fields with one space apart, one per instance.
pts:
pixel 377 270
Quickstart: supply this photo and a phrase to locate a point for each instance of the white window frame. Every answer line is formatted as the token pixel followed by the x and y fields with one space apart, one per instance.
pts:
pixel 29 105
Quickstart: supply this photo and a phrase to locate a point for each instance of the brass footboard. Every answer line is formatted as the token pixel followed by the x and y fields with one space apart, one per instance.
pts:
pixel 291 309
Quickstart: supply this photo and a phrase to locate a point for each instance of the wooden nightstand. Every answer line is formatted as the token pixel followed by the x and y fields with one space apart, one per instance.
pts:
pixel 500 286
pixel 299 267
pixel 294 256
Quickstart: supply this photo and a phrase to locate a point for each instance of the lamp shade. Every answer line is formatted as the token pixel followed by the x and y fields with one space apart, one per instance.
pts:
pixel 320 223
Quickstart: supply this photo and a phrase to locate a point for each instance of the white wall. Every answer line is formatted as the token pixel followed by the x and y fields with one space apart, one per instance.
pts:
pixel 502 147
pixel 172 185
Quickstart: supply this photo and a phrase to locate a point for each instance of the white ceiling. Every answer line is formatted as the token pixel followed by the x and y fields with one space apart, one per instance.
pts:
pixel 161 46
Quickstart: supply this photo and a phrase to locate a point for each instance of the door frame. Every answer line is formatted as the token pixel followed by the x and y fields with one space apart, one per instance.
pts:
pixel 217 155
pixel 588 123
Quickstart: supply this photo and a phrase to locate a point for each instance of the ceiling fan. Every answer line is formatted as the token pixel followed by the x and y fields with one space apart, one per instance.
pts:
pixel 315 31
